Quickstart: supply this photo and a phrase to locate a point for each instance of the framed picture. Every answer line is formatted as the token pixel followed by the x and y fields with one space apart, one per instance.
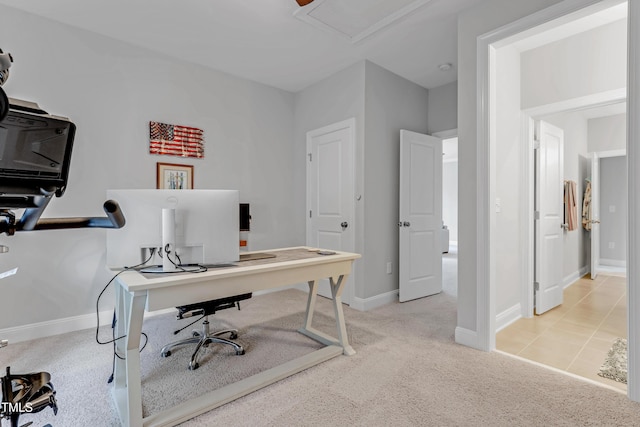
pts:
pixel 171 176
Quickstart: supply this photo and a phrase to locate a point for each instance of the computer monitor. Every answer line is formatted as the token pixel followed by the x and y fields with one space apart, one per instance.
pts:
pixel 206 231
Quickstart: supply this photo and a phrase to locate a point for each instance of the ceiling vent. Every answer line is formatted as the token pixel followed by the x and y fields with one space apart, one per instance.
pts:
pixel 356 19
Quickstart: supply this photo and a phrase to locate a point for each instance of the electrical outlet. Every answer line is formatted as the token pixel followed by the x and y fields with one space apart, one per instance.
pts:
pixel 612 245
pixel 612 208
pixel 389 268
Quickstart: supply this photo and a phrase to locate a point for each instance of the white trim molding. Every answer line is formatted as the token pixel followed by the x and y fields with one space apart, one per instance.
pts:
pixel 613 262
pixel 574 277
pixel 466 337
pixel 508 316
pixel 62 326
pixel 366 304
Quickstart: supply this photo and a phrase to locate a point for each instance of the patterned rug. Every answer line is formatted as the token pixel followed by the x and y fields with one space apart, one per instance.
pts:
pixel 615 365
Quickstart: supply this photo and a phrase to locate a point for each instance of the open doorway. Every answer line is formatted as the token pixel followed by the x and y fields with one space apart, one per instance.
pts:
pixel 450 215
pixel 505 233
pixel 577 335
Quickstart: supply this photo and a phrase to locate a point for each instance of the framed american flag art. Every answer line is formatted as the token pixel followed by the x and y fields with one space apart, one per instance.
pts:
pixel 170 176
pixel 175 140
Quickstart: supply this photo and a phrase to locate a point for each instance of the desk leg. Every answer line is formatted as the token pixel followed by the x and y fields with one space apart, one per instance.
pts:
pixel 308 330
pixel 311 303
pixel 336 292
pixel 127 388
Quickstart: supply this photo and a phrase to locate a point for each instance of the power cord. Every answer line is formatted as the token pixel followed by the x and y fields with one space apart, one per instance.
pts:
pixel 180 268
pixel 114 320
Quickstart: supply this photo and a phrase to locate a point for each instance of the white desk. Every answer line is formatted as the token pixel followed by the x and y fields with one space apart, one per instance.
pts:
pixel 136 293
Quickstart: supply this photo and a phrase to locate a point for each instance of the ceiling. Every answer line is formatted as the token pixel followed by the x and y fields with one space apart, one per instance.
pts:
pixel 270 42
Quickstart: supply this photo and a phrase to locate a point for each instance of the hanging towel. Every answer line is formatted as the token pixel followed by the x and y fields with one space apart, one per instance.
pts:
pixel 586 207
pixel 570 207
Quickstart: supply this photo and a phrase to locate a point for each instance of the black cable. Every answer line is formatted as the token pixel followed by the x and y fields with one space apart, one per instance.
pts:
pixel 114 320
pixel 103 291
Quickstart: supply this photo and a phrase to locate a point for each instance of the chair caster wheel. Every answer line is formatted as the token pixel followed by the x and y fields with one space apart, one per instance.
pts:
pixel 194 367
pixel 240 352
pixel 233 336
pixel 166 353
pixel 195 334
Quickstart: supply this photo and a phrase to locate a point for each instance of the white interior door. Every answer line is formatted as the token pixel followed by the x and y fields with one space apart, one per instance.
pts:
pixel 330 193
pixel 595 214
pixel 420 221
pixel 549 225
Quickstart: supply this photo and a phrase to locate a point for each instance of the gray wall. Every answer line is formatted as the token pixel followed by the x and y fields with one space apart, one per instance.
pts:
pixel 111 91
pixel 443 108
pixel 613 210
pixel 334 99
pixel 392 103
pixel 382 104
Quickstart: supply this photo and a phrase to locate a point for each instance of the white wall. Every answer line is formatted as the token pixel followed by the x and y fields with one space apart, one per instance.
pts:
pixel 487 15
pixel 586 63
pixel 608 133
pixel 508 164
pixel 111 91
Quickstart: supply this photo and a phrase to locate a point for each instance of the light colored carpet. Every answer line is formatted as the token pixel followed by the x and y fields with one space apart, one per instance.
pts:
pixel 615 365
pixel 407 372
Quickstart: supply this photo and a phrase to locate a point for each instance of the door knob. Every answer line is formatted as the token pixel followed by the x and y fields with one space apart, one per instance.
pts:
pixel 344 225
pixel 595 221
pixel 406 224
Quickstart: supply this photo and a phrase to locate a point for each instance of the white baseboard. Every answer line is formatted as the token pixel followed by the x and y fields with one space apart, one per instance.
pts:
pixel 467 337
pixel 365 304
pixel 573 277
pixel 62 326
pixel 508 316
pixel 613 262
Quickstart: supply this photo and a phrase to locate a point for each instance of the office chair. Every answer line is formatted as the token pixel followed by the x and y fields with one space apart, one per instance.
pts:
pixel 204 338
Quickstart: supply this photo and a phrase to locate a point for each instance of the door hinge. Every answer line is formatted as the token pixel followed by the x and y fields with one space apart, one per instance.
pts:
pixel 310 157
pixel 310 214
pixel 536 144
pixel 536 286
pixel 536 215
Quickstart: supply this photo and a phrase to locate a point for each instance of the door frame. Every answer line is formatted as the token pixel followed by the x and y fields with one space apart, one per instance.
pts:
pixel 527 209
pixel 485 136
pixel 348 296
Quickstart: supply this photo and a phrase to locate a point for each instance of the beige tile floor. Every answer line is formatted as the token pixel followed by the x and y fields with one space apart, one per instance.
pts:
pixel 577 335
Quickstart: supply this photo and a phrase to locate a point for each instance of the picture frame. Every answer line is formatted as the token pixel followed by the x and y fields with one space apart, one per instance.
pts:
pixel 172 176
